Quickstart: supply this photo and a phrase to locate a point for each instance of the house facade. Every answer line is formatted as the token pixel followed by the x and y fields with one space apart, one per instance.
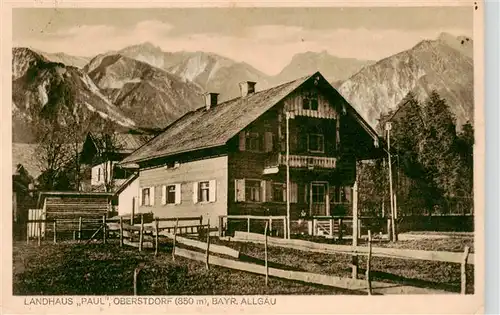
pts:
pixel 231 158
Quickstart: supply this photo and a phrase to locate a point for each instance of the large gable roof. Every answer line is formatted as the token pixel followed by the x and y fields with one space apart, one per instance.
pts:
pixel 202 128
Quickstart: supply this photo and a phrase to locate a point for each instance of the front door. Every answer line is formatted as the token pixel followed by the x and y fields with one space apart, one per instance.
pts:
pixel 319 199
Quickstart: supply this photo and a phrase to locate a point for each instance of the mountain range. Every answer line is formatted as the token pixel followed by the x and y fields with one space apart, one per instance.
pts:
pixel 142 86
pixel 444 64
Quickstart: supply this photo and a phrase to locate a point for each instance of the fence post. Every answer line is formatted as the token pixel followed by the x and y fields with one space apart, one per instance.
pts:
pixel 265 254
pixel 368 263
pixel 28 227
pixel 175 238
pixel 55 231
pixel 208 244
pixel 331 227
pixel 315 227
pixel 104 229
pixel 284 228
pixel 271 225
pixel 248 224
pixel 121 231
pixel 463 271
pixel 156 236
pixel 136 273
pixel 141 232
pixel 39 233
pixel 341 232
pixel 79 229
pixel 220 225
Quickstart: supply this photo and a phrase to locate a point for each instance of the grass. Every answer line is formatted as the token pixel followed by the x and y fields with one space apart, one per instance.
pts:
pixel 98 269
pixel 106 269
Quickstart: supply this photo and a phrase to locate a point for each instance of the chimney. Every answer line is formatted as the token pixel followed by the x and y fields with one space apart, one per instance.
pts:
pixel 247 87
pixel 210 99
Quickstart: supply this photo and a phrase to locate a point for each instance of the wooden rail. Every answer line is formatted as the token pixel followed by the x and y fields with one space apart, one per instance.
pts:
pixel 219 249
pixel 333 281
pixel 248 218
pixel 450 257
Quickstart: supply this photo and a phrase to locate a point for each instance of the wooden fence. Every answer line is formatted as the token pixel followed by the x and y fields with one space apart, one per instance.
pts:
pixel 224 222
pixel 40 227
pixel 440 256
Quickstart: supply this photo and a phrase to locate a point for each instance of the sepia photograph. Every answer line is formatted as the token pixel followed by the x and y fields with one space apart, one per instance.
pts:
pixel 233 155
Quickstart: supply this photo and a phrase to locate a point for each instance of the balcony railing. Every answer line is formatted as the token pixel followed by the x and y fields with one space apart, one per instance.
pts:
pixel 302 161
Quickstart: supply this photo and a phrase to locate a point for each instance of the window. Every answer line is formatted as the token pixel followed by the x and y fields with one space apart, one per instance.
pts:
pixel 278 192
pixel 253 141
pixel 253 190
pixel 310 101
pixel 98 174
pixel 315 143
pixel 170 194
pixel 318 193
pixel 204 191
pixel 147 196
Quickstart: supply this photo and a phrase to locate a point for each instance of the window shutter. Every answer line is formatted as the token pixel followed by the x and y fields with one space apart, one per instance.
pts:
pixel 163 195
pixel 306 193
pixel 243 140
pixel 347 191
pixel 151 196
pixel 294 191
pixel 268 141
pixel 195 192
pixel 239 190
pixel 269 191
pixel 212 187
pixel 263 192
pixel 140 196
pixel 177 194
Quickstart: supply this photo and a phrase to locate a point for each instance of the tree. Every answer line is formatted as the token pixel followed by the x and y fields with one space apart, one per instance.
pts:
pixel 438 155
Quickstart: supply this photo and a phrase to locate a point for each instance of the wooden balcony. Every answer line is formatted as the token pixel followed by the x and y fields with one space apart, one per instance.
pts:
pixel 302 161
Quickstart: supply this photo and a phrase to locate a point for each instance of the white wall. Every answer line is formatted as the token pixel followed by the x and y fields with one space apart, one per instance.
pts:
pixel 126 198
pixel 94 181
pixel 186 174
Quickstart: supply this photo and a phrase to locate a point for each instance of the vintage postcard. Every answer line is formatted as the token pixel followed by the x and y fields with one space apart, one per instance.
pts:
pixel 253 157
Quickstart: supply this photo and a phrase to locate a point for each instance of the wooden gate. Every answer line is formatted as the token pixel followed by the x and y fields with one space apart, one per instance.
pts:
pixel 34 228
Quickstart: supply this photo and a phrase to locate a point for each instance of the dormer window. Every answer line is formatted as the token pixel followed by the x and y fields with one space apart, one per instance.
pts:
pixel 310 101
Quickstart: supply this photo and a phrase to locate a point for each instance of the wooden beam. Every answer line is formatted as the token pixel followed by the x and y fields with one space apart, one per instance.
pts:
pixel 450 257
pixel 219 249
pixel 333 281
pixel 136 244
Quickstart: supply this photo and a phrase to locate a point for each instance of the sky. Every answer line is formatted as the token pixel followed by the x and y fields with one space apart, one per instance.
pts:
pixel 266 38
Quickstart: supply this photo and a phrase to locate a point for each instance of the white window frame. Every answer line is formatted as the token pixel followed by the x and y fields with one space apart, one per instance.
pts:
pixel 212 191
pixel 320 136
pixel 177 194
pixel 151 196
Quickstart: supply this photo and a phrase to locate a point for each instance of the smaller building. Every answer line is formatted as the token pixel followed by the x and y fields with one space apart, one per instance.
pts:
pixel 102 153
pixel 74 205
